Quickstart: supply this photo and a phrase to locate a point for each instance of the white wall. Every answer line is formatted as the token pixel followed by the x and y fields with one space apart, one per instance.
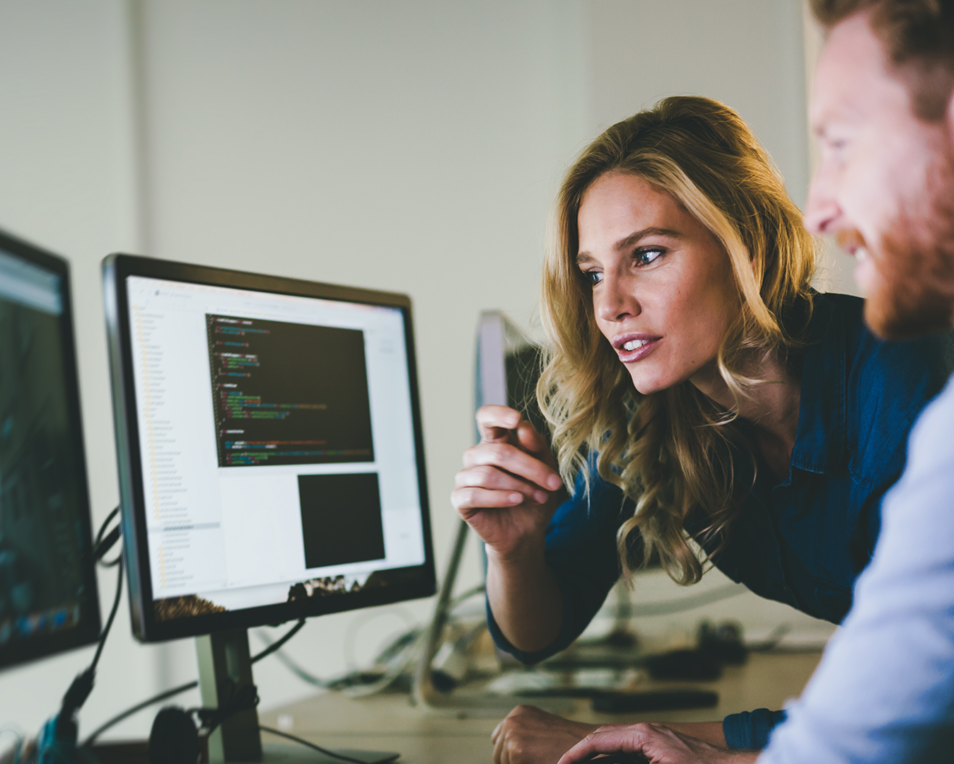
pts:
pixel 412 145
pixel 67 182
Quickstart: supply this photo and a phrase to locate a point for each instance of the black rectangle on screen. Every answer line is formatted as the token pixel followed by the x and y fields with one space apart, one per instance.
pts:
pixel 341 519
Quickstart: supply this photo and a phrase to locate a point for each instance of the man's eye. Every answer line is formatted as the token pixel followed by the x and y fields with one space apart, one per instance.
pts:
pixel 647 256
pixel 835 144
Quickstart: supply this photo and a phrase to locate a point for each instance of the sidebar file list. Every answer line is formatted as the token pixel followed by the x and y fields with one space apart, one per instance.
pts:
pixel 185 543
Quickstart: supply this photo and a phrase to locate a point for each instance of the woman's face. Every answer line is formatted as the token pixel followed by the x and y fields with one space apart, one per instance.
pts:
pixel 663 289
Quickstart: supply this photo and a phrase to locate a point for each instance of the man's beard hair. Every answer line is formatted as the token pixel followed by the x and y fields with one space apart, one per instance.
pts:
pixel 915 292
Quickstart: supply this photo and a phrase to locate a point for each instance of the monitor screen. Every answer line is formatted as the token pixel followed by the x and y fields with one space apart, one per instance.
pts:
pixel 509 364
pixel 270 447
pixel 48 599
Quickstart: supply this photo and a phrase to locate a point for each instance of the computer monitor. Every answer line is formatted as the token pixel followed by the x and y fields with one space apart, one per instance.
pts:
pixel 48 595
pixel 270 448
pixel 509 364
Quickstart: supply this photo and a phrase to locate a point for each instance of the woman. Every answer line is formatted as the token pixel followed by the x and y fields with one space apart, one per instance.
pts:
pixel 701 397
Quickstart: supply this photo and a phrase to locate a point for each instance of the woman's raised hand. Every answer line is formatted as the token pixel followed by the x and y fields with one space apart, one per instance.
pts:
pixel 509 487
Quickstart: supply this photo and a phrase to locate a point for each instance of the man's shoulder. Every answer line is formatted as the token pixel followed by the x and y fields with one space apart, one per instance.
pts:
pixel 931 435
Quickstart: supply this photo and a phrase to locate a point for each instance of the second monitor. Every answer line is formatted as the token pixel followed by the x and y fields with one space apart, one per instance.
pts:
pixel 271 453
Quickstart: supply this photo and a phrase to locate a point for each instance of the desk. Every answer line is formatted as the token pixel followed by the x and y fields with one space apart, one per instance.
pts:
pixel 391 723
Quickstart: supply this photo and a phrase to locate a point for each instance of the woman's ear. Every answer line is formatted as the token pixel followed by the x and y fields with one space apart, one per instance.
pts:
pixel 755 269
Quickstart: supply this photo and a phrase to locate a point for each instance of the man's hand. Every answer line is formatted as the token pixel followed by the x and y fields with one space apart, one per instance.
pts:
pixel 531 736
pixel 658 743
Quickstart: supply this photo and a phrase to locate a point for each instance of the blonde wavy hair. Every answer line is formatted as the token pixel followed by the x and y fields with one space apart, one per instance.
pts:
pixel 674 452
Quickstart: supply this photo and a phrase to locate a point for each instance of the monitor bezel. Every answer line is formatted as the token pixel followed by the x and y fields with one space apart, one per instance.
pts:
pixel 88 630
pixel 117 268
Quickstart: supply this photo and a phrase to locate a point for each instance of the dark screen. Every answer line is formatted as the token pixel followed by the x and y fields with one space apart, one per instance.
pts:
pixel 287 393
pixel 47 591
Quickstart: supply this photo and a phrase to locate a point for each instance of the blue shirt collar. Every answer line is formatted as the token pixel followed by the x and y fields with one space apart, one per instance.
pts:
pixel 820 441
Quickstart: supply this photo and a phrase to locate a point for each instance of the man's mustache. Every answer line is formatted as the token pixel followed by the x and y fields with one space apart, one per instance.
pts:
pixel 850 240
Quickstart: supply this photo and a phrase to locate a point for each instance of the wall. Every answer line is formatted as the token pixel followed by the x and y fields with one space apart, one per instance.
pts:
pixel 68 182
pixel 413 146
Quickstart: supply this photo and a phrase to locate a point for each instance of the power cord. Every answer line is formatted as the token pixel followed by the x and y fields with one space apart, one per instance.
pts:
pixel 185 687
pixel 318 748
pixel 104 542
pixel 396 658
pixel 57 738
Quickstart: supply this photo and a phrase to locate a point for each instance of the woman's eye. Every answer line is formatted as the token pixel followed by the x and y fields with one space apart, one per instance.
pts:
pixel 646 256
pixel 593 277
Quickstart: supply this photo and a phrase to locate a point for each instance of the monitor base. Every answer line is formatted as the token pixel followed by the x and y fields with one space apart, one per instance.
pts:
pixel 290 753
pixel 136 752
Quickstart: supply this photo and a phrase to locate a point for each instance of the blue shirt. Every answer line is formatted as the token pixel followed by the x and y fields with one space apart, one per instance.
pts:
pixel 802 540
pixel 884 691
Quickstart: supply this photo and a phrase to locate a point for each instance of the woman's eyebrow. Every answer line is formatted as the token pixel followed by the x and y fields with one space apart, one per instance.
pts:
pixel 629 241
pixel 652 231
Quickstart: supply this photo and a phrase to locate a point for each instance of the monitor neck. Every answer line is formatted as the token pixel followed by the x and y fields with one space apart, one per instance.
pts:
pixel 225 667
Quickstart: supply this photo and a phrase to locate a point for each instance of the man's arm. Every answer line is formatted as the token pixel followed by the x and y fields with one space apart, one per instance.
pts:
pixel 885 688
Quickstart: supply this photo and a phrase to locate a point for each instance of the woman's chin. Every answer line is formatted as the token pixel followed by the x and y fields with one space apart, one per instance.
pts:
pixel 646 385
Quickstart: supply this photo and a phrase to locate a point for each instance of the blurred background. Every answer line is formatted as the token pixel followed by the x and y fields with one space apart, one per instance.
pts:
pixel 408 145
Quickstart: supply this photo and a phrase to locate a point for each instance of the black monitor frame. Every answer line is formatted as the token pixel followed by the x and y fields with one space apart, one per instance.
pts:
pixel 421 580
pixel 88 630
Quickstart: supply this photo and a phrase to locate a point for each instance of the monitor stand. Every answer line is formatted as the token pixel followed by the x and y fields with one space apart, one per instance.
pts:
pixel 224 667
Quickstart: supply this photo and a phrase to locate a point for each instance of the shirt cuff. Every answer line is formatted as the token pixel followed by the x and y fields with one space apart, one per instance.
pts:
pixel 751 729
pixel 562 641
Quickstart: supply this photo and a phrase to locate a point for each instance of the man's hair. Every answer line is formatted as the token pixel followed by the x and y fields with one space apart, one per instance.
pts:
pixel 918 38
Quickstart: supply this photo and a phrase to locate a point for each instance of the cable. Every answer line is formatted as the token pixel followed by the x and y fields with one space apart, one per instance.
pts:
pixel 358 623
pixel 302 674
pixel 110 723
pixel 772 640
pixel 103 545
pixel 318 748
pixel 136 709
pixel 81 687
pixel 273 646
pixel 102 530
pixel 466 595
pixel 396 657
pixel 14 753
pixel 112 615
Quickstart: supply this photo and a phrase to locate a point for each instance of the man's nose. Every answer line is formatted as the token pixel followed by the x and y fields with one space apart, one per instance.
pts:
pixel 821 210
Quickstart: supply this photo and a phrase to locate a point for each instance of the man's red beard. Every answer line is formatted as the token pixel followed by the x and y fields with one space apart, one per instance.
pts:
pixel 914 294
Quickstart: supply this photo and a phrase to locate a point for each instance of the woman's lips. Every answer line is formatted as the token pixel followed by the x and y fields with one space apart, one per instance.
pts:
pixel 634 347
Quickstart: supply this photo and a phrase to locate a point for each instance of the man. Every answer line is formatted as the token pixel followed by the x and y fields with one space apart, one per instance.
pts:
pixel 883 111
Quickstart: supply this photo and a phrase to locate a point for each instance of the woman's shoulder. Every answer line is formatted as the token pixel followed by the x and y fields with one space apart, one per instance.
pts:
pixel 887 384
pixel 902 369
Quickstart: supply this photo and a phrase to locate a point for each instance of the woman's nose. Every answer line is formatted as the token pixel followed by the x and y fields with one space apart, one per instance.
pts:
pixel 617 299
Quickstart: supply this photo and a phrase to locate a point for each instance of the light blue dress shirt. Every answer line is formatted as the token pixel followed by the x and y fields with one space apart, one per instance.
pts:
pixel 884 691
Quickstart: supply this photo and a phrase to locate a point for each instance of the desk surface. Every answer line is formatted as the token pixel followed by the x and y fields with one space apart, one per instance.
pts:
pixel 424 736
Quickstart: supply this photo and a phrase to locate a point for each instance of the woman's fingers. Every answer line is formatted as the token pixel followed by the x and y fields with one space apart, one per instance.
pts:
pixel 469 501
pixel 514 460
pixel 495 422
pixel 534 442
pixel 493 479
